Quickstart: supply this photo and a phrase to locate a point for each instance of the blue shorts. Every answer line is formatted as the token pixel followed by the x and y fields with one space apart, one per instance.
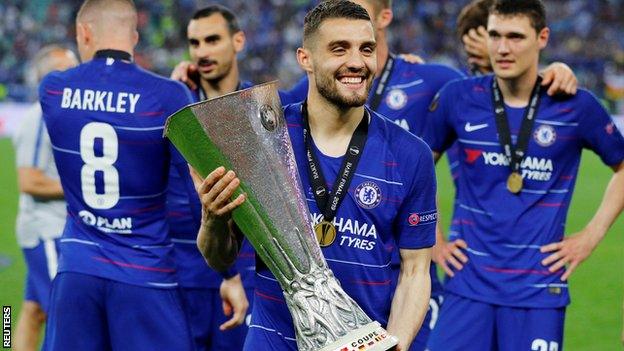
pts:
pixel 41 265
pixel 466 325
pixel 205 314
pixel 92 313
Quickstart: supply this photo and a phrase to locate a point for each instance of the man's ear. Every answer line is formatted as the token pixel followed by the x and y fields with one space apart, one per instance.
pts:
pixel 238 39
pixel 83 33
pixel 304 58
pixel 384 18
pixel 542 37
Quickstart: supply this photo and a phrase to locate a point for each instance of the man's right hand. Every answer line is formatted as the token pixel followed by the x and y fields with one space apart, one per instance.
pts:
pixel 449 252
pixel 215 192
pixel 183 72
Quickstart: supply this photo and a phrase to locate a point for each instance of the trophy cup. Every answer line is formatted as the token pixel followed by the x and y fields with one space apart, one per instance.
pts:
pixel 245 131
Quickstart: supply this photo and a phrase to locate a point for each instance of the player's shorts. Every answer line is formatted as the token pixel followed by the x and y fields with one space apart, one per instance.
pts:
pixel 205 314
pixel 93 313
pixel 271 325
pixel 466 325
pixel 41 264
pixel 421 339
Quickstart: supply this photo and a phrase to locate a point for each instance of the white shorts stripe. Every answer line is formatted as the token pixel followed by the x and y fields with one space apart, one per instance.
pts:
pixel 51 257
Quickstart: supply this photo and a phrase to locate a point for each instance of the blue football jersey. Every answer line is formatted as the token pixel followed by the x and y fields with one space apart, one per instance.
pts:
pixel 390 203
pixel 409 92
pixel 106 119
pixel 184 214
pixel 505 231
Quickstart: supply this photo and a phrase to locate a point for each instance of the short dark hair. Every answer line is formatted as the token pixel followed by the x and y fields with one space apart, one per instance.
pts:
pixel 332 9
pixel 229 16
pixel 473 15
pixel 533 9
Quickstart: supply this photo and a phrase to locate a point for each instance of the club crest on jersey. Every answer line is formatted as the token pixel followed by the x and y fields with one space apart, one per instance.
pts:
pixel 368 195
pixel 396 99
pixel 545 135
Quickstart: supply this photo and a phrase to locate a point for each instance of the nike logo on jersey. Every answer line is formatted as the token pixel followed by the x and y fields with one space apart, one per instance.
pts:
pixel 471 128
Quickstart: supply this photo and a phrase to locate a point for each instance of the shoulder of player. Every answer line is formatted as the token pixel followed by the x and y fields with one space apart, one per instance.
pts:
pixel 583 98
pixel 397 138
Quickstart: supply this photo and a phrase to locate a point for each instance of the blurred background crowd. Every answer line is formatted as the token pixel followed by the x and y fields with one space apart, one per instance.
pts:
pixel 586 34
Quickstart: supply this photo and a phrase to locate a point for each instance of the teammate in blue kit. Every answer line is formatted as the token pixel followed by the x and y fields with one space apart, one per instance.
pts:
pixel 520 152
pixel 214 302
pixel 558 77
pixel 391 198
pixel 41 207
pixel 116 286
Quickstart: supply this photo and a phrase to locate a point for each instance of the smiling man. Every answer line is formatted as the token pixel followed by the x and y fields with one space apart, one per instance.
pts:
pixel 391 193
pixel 520 150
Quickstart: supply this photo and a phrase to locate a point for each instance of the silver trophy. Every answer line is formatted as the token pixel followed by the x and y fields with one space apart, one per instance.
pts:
pixel 245 131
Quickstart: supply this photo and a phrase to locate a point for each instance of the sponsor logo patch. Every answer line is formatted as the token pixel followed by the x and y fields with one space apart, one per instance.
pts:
pixel 416 219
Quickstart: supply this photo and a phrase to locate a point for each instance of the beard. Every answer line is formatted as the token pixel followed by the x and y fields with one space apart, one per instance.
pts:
pixel 327 87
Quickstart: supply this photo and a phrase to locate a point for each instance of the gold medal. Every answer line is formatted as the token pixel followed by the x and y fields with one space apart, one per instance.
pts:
pixel 325 233
pixel 514 182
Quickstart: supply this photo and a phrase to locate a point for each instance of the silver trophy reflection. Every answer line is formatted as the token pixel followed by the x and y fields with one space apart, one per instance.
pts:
pixel 246 131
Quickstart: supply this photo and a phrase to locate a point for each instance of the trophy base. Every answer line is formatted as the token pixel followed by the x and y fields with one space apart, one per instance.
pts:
pixel 371 337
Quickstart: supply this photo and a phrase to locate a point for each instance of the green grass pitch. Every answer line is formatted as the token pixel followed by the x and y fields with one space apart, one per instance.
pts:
pixel 594 319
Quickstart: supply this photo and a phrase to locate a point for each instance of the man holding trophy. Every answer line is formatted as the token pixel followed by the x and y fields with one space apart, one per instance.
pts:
pixel 369 186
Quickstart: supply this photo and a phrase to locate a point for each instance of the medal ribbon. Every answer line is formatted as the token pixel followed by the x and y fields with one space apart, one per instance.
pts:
pixel 380 89
pixel 515 153
pixel 328 203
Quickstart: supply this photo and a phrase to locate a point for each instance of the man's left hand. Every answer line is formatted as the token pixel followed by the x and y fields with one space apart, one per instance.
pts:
pixel 571 250
pixel 234 301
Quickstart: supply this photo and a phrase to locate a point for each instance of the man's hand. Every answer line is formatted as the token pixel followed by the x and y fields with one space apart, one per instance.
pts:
pixel 475 44
pixel 215 192
pixel 215 240
pixel 183 72
pixel 449 252
pixel 561 79
pixel 412 58
pixel 234 301
pixel 571 250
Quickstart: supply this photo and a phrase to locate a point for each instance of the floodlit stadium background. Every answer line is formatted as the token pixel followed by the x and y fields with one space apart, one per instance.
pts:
pixel 586 34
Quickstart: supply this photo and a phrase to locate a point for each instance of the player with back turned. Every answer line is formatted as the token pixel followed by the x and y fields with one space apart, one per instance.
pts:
pixel 116 286
pixel 389 193
pixel 522 151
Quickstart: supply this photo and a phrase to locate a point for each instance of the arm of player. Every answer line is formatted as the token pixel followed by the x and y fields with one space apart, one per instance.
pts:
pixel 411 297
pixel 575 248
pixel 216 239
pixel 444 252
pixel 234 302
pixel 184 72
pixel 33 181
pixel 561 79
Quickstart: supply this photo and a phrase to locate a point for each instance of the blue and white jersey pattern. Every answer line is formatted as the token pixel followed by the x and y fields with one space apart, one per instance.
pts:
pixel 505 231
pixel 390 204
pixel 106 119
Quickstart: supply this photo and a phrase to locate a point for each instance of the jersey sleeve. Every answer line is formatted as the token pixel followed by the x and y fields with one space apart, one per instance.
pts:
pixel 599 133
pixel 416 221
pixel 297 93
pixel 439 132
pixel 28 141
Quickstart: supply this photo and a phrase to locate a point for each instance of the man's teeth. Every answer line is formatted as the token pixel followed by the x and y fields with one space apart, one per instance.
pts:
pixel 351 80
